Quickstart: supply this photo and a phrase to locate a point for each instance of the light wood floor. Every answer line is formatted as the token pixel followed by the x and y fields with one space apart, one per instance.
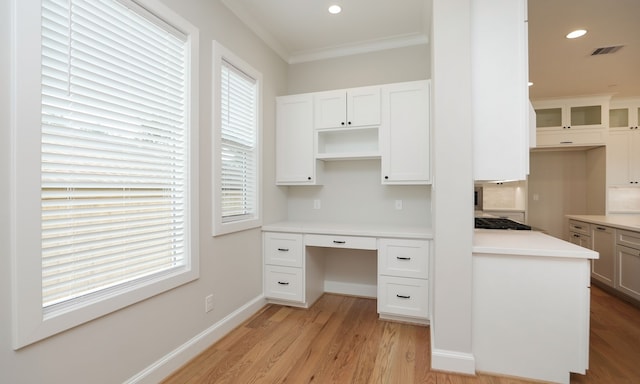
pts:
pixel 341 340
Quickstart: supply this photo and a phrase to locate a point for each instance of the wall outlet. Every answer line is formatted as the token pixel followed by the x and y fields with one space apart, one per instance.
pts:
pixel 316 204
pixel 208 303
pixel 398 204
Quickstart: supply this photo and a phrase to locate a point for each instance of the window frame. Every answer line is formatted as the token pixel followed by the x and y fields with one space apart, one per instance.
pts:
pixel 219 226
pixel 30 322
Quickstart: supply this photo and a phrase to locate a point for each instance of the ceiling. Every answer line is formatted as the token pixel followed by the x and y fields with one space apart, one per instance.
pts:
pixel 301 31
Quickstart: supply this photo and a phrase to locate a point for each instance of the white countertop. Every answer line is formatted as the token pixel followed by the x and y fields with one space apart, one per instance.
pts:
pixel 629 222
pixel 526 243
pixel 349 229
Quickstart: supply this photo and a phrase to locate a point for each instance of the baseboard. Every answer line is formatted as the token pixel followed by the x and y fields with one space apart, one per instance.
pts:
pixel 351 289
pixel 178 357
pixel 453 361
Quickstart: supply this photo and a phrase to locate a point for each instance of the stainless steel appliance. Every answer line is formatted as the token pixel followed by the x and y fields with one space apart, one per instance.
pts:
pixel 477 198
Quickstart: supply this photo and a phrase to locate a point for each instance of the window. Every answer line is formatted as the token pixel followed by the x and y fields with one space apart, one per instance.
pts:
pixel 236 136
pixel 114 141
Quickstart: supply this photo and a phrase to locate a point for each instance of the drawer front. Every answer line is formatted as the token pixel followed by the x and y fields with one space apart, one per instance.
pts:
pixel 569 138
pixel 403 258
pixel 403 296
pixel 579 227
pixel 352 242
pixel 580 239
pixel 283 249
pixel 283 283
pixel 628 239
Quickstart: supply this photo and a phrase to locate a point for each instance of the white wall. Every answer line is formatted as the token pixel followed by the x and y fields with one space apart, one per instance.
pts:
pixel 563 183
pixel 118 346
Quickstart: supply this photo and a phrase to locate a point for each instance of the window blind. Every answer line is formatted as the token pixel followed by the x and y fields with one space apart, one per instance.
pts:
pixel 238 144
pixel 113 151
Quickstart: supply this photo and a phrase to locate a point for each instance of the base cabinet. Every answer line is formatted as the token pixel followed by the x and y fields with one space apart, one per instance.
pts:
pixel 603 269
pixel 628 263
pixel 294 271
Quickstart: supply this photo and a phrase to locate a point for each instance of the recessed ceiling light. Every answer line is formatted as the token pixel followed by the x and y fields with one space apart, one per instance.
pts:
pixel 334 9
pixel 576 33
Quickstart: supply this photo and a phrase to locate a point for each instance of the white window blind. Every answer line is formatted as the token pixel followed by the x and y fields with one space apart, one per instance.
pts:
pixel 114 142
pixel 238 144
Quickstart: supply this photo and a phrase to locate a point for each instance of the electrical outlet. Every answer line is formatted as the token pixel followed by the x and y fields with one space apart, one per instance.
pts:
pixel 316 204
pixel 208 303
pixel 398 204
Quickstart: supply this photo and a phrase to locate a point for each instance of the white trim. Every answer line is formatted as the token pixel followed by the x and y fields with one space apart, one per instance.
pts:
pixel 219 52
pixel 453 361
pixel 29 323
pixel 175 359
pixel 358 48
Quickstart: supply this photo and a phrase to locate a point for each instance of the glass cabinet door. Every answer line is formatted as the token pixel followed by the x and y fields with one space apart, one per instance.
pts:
pixel 586 115
pixel 549 117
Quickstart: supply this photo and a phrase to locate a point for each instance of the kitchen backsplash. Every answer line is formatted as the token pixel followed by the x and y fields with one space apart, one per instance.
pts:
pixel 624 200
pixel 507 195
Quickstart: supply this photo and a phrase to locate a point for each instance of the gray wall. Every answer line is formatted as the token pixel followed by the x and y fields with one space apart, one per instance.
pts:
pixel 118 346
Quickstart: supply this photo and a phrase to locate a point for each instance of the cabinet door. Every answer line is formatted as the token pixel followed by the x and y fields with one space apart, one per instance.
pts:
pixel 295 163
pixel 623 157
pixel 404 133
pixel 603 269
pixel 580 239
pixel 363 106
pixel 628 262
pixel 330 109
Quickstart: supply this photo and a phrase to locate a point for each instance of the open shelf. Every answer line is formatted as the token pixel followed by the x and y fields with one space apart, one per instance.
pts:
pixel 347 143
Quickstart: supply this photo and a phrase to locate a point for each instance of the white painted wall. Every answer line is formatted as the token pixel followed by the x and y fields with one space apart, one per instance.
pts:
pixel 118 346
pixel 451 348
pixel 563 183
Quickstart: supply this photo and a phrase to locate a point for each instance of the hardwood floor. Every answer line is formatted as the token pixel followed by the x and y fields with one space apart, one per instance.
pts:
pixel 341 340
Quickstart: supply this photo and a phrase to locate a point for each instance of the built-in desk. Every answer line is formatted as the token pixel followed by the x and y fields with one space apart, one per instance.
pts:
pixel 294 255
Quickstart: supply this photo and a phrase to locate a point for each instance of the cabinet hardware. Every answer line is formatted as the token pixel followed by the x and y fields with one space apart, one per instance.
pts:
pixel 601 228
pixel 403 258
pixel 566 142
pixel 577 227
pixel 403 296
pixel 283 249
pixel 576 235
pixel 339 241
pixel 283 283
pixel 309 178
pixel 386 177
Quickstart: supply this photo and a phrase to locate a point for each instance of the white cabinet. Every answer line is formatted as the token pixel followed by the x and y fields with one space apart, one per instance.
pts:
pixel 347 108
pixel 580 234
pixel 403 271
pixel 572 122
pixel 628 263
pixel 295 162
pixel 283 270
pixel 623 145
pixel 501 126
pixel 404 133
pixel 624 113
pixel 603 268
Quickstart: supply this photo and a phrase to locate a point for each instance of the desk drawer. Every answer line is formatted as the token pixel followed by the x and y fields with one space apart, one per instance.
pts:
pixel 284 283
pixel 403 296
pixel 403 258
pixel 352 242
pixel 580 227
pixel 283 249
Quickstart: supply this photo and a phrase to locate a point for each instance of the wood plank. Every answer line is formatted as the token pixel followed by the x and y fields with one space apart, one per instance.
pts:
pixel 341 340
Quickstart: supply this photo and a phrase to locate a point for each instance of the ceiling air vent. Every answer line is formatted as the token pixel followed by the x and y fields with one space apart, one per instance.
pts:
pixel 606 50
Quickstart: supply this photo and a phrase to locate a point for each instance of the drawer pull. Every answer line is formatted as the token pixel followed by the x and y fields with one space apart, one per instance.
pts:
pixel 403 296
pixel 577 227
pixel 283 283
pixel 403 258
pixel 601 229
pixel 339 242
pixel 283 249
pixel 576 235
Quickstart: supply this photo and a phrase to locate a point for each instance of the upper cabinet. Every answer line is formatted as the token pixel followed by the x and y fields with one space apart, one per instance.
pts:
pixel 623 113
pixel 501 124
pixel 295 163
pixel 404 133
pixel 388 122
pixel 355 107
pixel 572 122
pixel 623 145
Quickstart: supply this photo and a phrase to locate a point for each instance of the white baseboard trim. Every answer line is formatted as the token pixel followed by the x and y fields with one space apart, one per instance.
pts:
pixel 453 361
pixel 352 289
pixel 187 351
